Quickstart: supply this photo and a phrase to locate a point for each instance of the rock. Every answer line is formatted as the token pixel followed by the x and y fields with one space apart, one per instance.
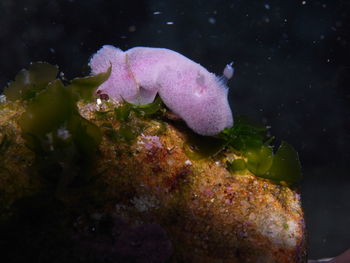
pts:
pixel 172 208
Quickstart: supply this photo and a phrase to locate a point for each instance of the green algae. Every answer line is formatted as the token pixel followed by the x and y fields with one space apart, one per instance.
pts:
pixel 64 143
pixel 130 116
pixel 236 166
pixel 285 162
pixel 85 87
pixel 249 140
pixel 29 82
pixel 201 147
pixel 154 109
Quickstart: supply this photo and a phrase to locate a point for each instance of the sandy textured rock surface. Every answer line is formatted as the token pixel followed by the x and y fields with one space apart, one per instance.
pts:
pixel 201 211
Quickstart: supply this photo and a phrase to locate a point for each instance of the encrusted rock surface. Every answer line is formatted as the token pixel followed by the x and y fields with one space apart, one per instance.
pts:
pixel 149 202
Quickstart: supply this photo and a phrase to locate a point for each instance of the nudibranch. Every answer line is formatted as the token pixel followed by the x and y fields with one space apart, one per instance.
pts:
pixel 188 89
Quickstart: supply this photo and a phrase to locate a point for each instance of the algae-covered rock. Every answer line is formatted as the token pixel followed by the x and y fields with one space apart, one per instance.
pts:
pixel 115 182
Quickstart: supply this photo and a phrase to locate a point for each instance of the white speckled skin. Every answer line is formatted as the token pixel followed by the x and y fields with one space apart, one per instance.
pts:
pixel 187 88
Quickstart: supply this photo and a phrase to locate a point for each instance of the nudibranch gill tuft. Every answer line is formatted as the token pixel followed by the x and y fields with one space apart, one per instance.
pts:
pixel 188 89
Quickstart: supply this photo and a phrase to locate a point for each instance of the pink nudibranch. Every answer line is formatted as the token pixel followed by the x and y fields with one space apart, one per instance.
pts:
pixel 188 89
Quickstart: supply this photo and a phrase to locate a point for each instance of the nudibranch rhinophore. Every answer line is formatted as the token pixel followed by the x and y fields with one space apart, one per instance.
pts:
pixel 188 89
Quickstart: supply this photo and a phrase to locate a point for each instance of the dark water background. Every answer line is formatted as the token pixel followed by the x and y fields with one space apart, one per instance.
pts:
pixel 292 72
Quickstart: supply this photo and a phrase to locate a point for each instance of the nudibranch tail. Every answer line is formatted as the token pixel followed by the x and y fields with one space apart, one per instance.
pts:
pixel 188 89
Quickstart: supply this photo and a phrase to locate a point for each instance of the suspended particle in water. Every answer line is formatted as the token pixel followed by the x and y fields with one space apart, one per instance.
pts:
pixel 267 6
pixel 212 20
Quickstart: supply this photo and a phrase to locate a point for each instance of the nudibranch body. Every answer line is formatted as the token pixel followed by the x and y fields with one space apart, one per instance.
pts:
pixel 188 89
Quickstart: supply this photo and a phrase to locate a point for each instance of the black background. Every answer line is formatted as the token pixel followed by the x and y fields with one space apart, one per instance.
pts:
pixel 292 72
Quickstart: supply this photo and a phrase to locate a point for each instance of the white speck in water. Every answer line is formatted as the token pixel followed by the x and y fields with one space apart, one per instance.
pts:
pixel 52 50
pixel 322 37
pixel 157 13
pixel 169 23
pixel 303 2
pixel 285 20
pixel 267 6
pixel 324 5
pixel 328 60
pixel 212 20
